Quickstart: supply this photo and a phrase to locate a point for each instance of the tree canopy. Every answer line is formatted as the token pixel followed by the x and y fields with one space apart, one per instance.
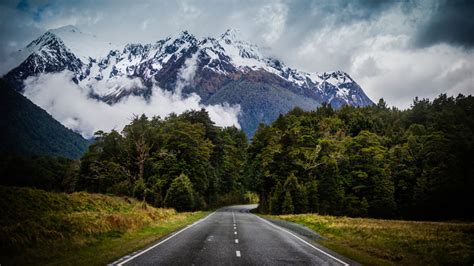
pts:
pixel 149 155
pixel 370 161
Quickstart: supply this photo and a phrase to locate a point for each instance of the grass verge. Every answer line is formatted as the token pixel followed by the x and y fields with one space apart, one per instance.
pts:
pixel 38 227
pixel 391 242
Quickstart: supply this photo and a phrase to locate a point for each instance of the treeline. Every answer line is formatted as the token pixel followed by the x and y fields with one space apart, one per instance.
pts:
pixel 371 161
pixel 182 161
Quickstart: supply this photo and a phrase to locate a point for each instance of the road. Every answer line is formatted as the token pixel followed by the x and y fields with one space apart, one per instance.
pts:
pixel 233 236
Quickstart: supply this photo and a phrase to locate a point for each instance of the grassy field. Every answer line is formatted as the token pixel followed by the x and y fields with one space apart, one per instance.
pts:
pixel 38 227
pixel 390 242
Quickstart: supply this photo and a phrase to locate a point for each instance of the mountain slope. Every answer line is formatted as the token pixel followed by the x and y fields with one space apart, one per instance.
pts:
pixel 186 64
pixel 26 129
pixel 260 102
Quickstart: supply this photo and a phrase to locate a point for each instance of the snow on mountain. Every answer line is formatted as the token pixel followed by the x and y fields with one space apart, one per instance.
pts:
pixel 83 45
pixel 110 72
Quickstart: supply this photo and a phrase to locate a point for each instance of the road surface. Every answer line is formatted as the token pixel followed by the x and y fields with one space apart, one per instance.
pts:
pixel 233 236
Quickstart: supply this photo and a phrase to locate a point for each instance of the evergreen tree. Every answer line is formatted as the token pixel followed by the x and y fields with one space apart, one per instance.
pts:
pixel 180 195
pixel 331 191
pixel 313 199
pixel 276 199
pixel 287 206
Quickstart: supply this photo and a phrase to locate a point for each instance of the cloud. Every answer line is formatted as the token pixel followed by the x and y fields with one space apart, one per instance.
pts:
pixel 451 22
pixel 70 105
pixel 366 67
pixel 115 84
pixel 273 17
pixel 186 73
pixel 424 73
pixel 377 42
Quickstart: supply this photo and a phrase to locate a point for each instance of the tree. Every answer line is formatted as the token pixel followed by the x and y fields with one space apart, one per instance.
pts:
pixel 313 199
pixel 331 191
pixel 144 159
pixel 383 202
pixel 276 199
pixel 138 135
pixel 369 161
pixel 180 195
pixel 287 206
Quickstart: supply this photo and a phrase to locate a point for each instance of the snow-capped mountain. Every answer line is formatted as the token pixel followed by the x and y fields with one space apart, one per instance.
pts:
pixel 222 69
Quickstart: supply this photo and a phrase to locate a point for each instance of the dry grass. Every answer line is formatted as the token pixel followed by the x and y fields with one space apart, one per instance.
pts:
pixel 386 242
pixel 43 227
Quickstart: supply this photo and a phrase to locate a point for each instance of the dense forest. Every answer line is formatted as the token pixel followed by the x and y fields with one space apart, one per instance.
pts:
pixel 373 161
pixel 181 161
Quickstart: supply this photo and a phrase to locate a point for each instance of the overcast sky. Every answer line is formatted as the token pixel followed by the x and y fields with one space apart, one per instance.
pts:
pixel 394 49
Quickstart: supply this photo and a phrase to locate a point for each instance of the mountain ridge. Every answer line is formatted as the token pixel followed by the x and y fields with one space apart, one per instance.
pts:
pixel 225 61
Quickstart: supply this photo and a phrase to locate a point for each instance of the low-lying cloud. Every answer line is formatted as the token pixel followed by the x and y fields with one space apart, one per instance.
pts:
pixel 69 104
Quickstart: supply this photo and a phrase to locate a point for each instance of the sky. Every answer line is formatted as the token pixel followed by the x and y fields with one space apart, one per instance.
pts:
pixel 395 50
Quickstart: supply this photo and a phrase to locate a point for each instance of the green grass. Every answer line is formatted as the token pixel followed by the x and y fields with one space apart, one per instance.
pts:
pixel 38 227
pixel 391 242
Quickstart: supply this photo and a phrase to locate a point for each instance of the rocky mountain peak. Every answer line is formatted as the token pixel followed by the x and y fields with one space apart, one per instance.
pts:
pixel 225 69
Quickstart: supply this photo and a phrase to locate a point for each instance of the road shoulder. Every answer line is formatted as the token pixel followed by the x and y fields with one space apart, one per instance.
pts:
pixel 307 235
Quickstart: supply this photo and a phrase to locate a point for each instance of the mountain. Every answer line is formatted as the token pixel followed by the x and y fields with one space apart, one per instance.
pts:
pixel 26 129
pixel 223 69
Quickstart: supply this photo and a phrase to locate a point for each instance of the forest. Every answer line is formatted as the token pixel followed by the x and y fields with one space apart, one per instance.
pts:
pixel 370 161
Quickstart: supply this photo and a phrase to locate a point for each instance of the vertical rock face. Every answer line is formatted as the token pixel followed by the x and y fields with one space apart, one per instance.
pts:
pixel 225 69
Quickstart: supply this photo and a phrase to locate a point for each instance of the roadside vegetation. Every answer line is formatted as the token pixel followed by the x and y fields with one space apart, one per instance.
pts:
pixel 391 242
pixel 39 227
pixel 374 161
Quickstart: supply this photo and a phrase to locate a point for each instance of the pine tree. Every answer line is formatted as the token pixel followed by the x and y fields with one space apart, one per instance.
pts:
pixel 180 195
pixel 287 206
pixel 276 199
pixel 383 204
pixel 301 200
pixel 313 199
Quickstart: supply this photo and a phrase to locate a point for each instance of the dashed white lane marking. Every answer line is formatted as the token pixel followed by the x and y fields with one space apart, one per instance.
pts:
pixel 236 241
pixel 237 253
pixel 233 217
pixel 163 241
pixel 235 233
pixel 235 228
pixel 299 238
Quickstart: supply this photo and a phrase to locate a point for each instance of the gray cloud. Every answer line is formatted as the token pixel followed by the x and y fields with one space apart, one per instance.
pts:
pixel 452 22
pixel 393 49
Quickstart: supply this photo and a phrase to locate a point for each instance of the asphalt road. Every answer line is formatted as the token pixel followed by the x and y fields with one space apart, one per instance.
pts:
pixel 233 236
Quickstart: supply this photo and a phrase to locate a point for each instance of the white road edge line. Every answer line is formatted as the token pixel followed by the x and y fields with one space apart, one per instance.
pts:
pixel 302 240
pixel 163 241
pixel 237 253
